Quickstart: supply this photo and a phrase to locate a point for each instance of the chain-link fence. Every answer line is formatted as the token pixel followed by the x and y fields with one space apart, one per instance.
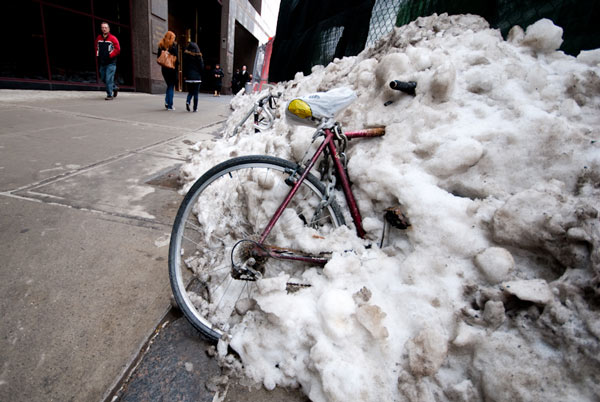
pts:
pixel 577 18
pixel 312 32
pixel 383 19
pixel 327 43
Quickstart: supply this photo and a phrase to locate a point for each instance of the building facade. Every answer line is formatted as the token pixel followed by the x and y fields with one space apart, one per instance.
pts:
pixel 51 42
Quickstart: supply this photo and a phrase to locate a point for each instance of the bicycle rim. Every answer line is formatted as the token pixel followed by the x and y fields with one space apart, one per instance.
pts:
pixel 234 201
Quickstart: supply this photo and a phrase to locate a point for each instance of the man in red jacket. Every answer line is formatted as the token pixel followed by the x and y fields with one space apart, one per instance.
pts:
pixel 107 49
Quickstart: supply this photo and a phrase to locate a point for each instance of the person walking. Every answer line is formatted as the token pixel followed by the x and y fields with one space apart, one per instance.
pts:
pixel 167 43
pixel 107 49
pixel 193 65
pixel 235 82
pixel 244 77
pixel 219 74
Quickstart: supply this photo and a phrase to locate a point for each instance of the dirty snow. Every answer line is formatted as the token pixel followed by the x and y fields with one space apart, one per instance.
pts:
pixel 493 294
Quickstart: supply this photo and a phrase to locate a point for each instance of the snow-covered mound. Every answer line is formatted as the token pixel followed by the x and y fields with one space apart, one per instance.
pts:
pixel 493 294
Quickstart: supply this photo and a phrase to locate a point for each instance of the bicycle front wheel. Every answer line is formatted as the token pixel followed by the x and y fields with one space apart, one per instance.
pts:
pixel 234 201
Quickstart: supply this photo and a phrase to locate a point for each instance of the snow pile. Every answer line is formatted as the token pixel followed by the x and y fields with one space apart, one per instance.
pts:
pixel 493 293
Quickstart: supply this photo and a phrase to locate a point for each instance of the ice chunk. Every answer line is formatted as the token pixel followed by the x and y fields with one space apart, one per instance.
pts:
pixel 267 285
pixel 589 57
pixel 427 351
pixel 495 263
pixel 443 82
pixel 543 36
pixel 533 290
pixel 371 317
pixel 456 157
pixel 336 306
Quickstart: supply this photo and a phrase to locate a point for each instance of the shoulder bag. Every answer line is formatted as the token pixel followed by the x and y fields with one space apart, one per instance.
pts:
pixel 166 59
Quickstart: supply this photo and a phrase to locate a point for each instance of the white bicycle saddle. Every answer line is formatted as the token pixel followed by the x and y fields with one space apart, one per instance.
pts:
pixel 320 105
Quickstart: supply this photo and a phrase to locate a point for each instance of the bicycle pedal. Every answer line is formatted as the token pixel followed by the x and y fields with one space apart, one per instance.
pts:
pixel 396 218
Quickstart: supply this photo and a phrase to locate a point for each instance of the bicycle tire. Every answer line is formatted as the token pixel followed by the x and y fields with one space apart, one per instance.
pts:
pixel 199 263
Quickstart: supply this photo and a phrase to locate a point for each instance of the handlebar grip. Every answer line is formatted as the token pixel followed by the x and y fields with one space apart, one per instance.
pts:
pixel 366 133
pixel 375 132
pixel 406 87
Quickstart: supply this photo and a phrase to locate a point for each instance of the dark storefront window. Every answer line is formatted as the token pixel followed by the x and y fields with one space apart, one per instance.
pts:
pixel 79 5
pixel 70 40
pixel 116 10
pixel 53 40
pixel 24 53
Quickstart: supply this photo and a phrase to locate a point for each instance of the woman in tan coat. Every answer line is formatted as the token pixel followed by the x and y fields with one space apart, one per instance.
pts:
pixel 169 74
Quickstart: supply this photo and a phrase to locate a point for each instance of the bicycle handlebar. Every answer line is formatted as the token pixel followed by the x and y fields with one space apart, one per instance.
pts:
pixel 406 87
pixel 366 133
pixel 268 97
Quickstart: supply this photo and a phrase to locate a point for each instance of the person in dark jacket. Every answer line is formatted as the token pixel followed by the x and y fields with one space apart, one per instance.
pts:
pixel 169 74
pixel 107 50
pixel 244 77
pixel 235 82
pixel 193 65
pixel 219 74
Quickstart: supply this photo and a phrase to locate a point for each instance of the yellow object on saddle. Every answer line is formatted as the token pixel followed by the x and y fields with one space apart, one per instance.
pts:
pixel 300 108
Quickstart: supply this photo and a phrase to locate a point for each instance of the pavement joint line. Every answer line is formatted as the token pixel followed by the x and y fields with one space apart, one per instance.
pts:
pixel 44 195
pixel 27 132
pixel 103 162
pixel 91 116
pixel 42 200
pixel 159 155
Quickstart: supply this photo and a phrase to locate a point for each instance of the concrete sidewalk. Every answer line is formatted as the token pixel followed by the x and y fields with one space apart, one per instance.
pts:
pixel 87 199
pixel 83 236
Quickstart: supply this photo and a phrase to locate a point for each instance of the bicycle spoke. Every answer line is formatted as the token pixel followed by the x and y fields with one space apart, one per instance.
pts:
pixel 241 293
pixel 229 282
pixel 197 228
pixel 217 269
pixel 244 191
pixel 323 218
pixel 225 278
pixel 249 288
pixel 190 240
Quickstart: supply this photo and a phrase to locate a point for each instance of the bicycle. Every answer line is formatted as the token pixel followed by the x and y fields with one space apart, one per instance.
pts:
pixel 263 111
pixel 278 218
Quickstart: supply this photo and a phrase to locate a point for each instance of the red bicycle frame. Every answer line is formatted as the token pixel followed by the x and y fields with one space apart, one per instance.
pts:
pixel 328 142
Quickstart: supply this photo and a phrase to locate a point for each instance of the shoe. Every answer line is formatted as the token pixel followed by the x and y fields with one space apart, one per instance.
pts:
pixel 195 110
pixel 170 108
pixel 166 106
pixel 187 106
pixel 109 98
pixel 115 92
